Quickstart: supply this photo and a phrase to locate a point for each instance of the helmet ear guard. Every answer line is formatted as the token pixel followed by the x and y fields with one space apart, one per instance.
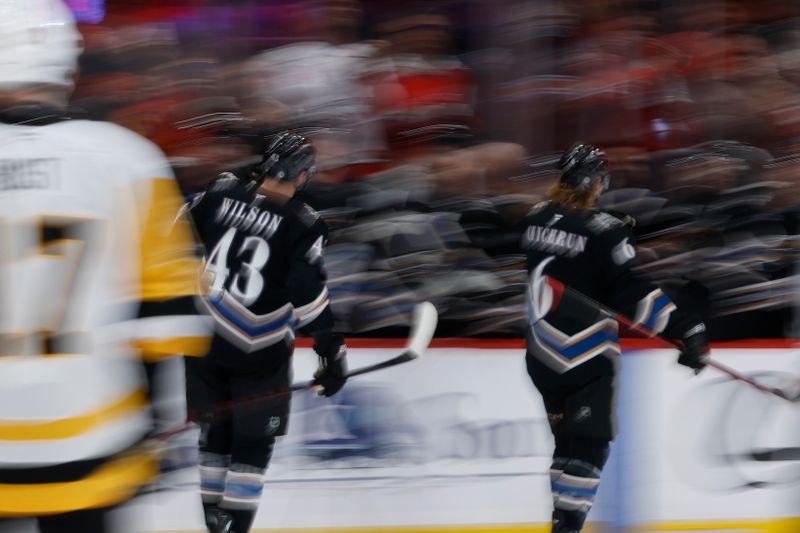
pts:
pixel 582 166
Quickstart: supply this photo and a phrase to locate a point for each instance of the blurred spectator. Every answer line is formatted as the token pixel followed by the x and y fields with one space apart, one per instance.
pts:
pixel 695 103
pixel 426 103
pixel 317 86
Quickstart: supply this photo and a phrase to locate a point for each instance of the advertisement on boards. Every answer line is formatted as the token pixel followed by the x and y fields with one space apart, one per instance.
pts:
pixel 458 437
pixel 459 440
pixel 707 450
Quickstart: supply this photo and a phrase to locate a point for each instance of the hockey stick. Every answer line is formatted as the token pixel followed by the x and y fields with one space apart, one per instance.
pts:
pixel 422 330
pixel 539 280
pixel 423 326
pixel 711 362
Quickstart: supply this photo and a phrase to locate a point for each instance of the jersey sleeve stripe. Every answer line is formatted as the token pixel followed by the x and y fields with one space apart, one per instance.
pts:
pixel 652 311
pixel 307 313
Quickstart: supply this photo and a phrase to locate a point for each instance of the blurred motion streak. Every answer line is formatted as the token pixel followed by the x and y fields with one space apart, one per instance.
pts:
pixel 439 123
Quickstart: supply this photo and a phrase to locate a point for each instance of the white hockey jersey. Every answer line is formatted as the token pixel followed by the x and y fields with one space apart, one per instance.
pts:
pixel 93 276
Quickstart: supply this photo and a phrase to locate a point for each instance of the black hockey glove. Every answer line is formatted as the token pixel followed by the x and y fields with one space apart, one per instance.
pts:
pixel 695 351
pixel 332 373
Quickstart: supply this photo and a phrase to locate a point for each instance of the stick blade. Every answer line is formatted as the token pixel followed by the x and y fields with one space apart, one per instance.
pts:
pixel 424 326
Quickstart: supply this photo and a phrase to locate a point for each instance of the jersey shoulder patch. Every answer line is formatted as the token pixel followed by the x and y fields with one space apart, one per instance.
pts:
pixel 224 182
pixel 603 221
pixel 538 207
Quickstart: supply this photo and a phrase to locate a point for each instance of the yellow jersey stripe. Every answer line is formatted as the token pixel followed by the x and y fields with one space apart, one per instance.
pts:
pixel 153 350
pixel 66 428
pixel 114 482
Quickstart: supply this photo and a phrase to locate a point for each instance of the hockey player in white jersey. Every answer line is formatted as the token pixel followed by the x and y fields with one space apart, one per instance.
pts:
pixel 94 276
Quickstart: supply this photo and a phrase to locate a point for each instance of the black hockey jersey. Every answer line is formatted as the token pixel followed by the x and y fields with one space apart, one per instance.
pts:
pixel 592 252
pixel 263 269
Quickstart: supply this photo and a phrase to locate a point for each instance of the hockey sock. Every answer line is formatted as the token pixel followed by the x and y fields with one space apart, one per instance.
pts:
pixel 574 492
pixel 575 488
pixel 213 468
pixel 556 469
pixel 243 487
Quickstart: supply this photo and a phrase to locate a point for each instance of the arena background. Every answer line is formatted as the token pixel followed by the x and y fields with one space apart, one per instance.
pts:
pixel 438 125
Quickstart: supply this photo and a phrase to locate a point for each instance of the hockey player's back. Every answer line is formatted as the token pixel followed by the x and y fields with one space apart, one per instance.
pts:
pixel 262 265
pixel 571 341
pixel 264 269
pixel 582 239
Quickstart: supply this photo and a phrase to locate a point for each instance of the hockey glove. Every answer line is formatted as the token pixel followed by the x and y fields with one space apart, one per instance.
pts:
pixel 695 351
pixel 332 373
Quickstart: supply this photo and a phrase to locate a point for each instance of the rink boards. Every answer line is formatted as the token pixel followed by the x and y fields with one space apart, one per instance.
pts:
pixel 458 441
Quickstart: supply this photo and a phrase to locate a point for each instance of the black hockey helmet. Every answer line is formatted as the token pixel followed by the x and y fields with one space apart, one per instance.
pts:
pixel 284 157
pixel 582 165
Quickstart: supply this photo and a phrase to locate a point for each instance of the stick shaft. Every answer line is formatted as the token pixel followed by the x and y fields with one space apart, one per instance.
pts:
pixel 394 361
pixel 422 330
pixel 630 325
pixel 711 362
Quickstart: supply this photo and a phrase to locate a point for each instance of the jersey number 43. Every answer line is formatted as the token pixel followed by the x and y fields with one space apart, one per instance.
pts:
pixel 245 284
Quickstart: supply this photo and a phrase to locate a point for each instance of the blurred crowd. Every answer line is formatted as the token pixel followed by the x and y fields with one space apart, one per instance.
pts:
pixel 438 125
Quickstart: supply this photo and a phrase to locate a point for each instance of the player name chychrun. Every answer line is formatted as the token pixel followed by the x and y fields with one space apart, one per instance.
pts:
pixel 245 217
pixel 25 173
pixel 555 240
